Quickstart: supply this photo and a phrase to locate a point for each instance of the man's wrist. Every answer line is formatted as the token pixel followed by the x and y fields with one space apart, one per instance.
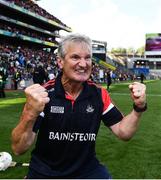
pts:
pixel 138 109
pixel 30 111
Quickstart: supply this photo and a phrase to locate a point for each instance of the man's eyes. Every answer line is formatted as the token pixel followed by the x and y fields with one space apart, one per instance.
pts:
pixel 75 57
pixel 79 58
pixel 88 58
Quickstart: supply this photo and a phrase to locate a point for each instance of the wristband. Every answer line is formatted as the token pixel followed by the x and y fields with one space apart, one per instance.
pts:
pixel 137 109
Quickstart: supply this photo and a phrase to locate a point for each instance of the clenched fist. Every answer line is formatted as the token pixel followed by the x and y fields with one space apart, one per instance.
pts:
pixel 36 98
pixel 138 93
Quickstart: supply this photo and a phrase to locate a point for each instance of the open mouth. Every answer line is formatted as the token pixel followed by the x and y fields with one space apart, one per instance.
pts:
pixel 81 71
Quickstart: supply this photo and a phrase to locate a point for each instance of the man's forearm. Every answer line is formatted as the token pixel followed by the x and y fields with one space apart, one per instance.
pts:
pixel 22 135
pixel 128 125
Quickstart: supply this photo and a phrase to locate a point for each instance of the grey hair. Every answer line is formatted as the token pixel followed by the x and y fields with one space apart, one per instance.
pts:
pixel 73 38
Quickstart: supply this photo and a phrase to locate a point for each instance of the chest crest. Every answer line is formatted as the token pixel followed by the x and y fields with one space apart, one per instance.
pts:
pixel 89 109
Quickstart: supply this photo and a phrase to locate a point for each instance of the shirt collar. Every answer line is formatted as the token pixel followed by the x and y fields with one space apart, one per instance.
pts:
pixel 59 90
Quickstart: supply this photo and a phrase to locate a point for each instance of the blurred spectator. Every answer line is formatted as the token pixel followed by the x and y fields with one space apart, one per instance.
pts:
pixel 16 78
pixel 142 77
pixel 39 74
pixel 51 76
pixel 21 60
pixel 2 84
pixel 109 81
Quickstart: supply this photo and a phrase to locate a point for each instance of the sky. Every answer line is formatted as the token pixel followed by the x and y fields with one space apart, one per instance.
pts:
pixel 121 23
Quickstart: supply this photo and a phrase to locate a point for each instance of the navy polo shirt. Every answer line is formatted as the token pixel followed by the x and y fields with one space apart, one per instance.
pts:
pixel 67 130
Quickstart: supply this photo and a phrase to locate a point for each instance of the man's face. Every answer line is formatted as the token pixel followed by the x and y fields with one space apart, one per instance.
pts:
pixel 77 63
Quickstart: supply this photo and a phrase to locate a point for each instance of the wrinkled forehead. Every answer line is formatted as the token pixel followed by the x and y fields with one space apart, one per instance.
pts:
pixel 73 46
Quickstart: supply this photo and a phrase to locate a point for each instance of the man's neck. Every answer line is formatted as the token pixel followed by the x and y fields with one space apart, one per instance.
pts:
pixel 72 88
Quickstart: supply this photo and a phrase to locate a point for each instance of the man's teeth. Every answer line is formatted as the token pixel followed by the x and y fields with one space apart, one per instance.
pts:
pixel 81 71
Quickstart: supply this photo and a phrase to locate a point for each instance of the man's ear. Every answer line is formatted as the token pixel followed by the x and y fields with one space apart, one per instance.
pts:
pixel 60 62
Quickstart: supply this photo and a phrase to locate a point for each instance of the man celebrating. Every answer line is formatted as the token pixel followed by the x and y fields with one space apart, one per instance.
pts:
pixel 65 116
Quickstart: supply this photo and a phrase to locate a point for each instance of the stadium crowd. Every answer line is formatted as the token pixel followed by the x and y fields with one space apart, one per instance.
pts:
pixel 33 7
pixel 23 31
pixel 18 63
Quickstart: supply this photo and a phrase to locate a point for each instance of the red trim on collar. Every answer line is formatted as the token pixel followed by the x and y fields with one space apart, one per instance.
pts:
pixel 69 97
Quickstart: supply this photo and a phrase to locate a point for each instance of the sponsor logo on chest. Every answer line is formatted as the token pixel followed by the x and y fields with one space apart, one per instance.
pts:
pixel 57 109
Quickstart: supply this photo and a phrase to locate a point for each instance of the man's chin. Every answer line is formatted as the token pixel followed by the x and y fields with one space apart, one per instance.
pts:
pixel 81 79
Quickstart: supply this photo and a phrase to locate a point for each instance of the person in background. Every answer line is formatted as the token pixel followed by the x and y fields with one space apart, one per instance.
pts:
pixel 2 85
pixel 16 78
pixel 64 117
pixel 142 77
pixel 109 80
pixel 39 74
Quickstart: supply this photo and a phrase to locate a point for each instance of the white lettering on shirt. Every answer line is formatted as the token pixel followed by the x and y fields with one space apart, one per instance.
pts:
pixel 72 136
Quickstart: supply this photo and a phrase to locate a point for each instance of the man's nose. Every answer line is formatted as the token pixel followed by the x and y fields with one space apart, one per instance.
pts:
pixel 82 62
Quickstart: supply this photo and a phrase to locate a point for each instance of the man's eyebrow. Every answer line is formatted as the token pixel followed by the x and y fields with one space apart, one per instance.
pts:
pixel 88 55
pixel 75 55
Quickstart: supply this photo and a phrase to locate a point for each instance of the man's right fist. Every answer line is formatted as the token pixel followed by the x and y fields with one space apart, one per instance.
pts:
pixel 36 98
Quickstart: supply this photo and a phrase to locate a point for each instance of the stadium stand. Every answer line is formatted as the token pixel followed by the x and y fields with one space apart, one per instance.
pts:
pixel 28 36
pixel 27 39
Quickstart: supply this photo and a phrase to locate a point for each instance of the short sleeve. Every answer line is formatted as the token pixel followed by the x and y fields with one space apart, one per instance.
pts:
pixel 111 115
